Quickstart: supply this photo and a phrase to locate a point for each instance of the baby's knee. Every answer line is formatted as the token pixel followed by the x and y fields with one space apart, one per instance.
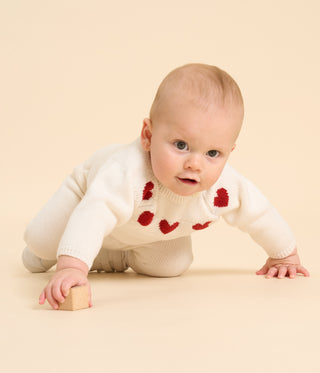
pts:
pixel 166 260
pixel 39 241
pixel 172 267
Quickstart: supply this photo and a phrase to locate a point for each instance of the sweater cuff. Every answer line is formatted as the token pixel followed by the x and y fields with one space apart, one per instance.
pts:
pixel 76 253
pixel 273 234
pixel 286 252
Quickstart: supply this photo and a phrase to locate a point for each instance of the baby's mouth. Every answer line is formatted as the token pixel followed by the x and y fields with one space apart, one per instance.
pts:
pixel 188 181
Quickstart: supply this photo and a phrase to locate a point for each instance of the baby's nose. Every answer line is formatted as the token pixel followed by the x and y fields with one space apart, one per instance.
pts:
pixel 193 162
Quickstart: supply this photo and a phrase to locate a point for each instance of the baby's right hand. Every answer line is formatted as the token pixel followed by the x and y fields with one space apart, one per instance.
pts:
pixel 60 284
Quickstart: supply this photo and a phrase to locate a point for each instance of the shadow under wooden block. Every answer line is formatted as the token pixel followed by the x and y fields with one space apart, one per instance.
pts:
pixel 77 299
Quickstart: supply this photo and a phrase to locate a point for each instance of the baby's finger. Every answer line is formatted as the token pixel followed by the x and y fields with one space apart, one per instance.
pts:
pixel 51 299
pixel 303 270
pixel 263 270
pixel 90 295
pixel 292 272
pixel 42 297
pixel 272 272
pixel 66 285
pixel 57 293
pixel 282 271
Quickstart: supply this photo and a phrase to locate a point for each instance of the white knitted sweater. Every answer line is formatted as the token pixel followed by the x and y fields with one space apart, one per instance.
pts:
pixel 124 203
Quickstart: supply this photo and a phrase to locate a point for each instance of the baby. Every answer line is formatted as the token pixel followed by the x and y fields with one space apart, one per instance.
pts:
pixel 136 205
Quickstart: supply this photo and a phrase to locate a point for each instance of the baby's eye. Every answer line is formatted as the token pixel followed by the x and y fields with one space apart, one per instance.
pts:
pixel 181 145
pixel 213 153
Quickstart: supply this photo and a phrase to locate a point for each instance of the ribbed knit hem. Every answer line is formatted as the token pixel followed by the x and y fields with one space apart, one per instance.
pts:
pixel 286 252
pixel 76 253
pixel 176 198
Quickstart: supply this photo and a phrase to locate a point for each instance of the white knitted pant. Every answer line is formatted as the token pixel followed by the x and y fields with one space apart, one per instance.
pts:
pixel 160 259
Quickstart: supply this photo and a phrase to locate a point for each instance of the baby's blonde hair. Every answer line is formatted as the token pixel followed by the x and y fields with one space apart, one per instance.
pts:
pixel 201 84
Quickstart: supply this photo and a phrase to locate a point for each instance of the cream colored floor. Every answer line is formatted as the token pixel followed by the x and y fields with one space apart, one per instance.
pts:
pixel 77 75
pixel 217 317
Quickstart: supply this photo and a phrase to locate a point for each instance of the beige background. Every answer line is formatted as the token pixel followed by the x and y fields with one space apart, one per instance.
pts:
pixel 77 75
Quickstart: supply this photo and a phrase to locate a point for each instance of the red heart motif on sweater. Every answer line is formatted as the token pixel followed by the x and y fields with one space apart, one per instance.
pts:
pixel 165 227
pixel 147 194
pixel 198 227
pixel 145 218
pixel 222 199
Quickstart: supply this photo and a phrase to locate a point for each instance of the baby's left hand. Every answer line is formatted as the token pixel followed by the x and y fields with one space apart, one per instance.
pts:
pixel 288 266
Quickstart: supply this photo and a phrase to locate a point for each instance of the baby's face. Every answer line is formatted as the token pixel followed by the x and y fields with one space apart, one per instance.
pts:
pixel 189 147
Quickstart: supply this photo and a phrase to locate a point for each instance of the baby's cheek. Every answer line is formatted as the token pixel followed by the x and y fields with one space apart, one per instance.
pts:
pixel 164 169
pixel 211 177
pixel 158 167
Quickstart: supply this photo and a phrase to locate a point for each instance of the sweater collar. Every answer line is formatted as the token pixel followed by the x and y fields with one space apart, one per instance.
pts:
pixel 176 198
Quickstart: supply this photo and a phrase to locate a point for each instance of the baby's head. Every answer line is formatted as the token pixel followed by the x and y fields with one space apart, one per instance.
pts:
pixel 194 122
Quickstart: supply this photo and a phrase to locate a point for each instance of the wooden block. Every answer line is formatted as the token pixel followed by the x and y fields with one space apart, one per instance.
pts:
pixel 77 299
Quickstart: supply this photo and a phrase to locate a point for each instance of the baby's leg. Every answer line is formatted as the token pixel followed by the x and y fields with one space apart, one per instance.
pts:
pixel 163 258
pixel 109 260
pixel 43 234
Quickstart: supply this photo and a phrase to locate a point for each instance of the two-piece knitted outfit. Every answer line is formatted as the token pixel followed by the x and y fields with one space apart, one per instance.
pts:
pixel 113 205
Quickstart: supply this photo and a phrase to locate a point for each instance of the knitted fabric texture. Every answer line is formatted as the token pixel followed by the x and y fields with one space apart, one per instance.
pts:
pixel 123 203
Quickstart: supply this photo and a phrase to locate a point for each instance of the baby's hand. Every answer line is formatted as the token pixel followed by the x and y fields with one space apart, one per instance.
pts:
pixel 65 278
pixel 288 266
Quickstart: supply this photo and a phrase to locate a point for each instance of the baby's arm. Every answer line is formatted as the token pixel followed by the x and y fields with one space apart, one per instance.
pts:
pixel 251 211
pixel 288 266
pixel 70 272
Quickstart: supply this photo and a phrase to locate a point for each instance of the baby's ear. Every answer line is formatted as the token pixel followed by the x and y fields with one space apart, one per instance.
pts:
pixel 146 134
